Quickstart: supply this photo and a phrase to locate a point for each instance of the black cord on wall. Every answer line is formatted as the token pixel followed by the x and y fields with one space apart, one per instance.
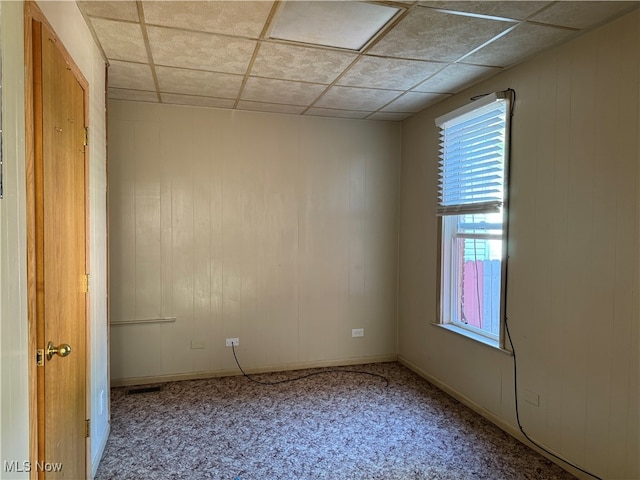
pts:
pixel 312 374
pixel 506 326
pixel 515 388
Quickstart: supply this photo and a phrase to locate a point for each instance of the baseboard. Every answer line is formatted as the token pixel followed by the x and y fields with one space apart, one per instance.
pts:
pixel 95 462
pixel 125 382
pixel 492 417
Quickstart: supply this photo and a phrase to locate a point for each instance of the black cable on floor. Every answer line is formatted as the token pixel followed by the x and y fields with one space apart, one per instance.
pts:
pixel 515 388
pixel 313 374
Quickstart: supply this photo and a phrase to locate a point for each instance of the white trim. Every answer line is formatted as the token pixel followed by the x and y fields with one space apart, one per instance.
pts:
pixel 492 417
pixel 123 382
pixel 490 342
pixel 144 320
pixel 490 206
pixel 95 461
pixel 469 107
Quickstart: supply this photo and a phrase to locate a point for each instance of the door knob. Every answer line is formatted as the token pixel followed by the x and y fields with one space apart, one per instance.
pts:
pixel 62 350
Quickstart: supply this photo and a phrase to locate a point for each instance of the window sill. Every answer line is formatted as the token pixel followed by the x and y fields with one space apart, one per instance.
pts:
pixel 473 336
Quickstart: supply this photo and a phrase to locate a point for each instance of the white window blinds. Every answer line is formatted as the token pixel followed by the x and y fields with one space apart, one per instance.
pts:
pixel 472 156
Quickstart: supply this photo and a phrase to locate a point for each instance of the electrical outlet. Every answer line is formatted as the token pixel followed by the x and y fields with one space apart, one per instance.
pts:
pixel 233 341
pixel 357 332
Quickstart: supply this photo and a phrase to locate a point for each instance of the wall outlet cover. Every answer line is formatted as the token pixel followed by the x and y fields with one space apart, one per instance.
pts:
pixel 232 341
pixel 357 332
pixel 531 397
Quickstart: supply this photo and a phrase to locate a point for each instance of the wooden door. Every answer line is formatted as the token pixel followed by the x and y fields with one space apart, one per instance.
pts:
pixel 59 132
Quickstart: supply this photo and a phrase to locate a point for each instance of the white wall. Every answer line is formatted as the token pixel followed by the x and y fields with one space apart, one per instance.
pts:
pixel 14 396
pixel 14 339
pixel 67 21
pixel 276 229
pixel 573 271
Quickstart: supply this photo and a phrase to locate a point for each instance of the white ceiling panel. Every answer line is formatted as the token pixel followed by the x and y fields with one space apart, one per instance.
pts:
pixel 197 82
pixel 519 10
pixel 270 107
pixel 134 76
pixel 244 18
pixel 352 98
pixel 414 102
pixel 332 59
pixel 291 62
pixel 524 39
pixel 121 40
pixel 281 91
pixel 581 14
pixel 388 73
pixel 348 25
pixel 200 51
pixel 134 95
pixel 197 100
pixel 455 77
pixel 389 117
pixel 332 112
pixel 123 10
pixel 427 34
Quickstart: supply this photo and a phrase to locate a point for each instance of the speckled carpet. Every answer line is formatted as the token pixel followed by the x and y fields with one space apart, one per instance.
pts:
pixel 329 426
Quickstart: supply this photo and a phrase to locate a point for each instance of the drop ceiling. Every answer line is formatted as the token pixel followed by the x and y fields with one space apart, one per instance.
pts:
pixel 325 58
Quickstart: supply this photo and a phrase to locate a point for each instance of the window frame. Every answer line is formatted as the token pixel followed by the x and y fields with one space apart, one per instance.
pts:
pixel 445 298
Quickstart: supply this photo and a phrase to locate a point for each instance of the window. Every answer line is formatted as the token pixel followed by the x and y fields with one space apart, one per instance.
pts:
pixel 472 205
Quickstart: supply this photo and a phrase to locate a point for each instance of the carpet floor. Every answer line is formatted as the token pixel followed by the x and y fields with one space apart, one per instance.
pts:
pixel 338 425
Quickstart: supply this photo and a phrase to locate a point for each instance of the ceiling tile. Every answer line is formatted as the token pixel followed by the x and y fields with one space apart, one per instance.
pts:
pixel 289 62
pixel 201 51
pixel 121 40
pixel 197 82
pixel 388 73
pixel 329 112
pixel 281 91
pixel 348 25
pixel 135 95
pixel 118 10
pixel 518 10
pixel 524 40
pixel 431 35
pixel 352 98
pixel 414 102
pixel 455 78
pixel 244 18
pixel 392 117
pixel 197 100
pixel 582 14
pixel 134 76
pixel 270 107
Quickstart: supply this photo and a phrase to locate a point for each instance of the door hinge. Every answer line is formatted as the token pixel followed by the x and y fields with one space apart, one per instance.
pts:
pixel 85 283
pixel 87 432
pixel 40 357
pixel 86 136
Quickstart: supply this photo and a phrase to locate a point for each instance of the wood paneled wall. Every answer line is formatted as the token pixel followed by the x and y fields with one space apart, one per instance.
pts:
pixel 279 230
pixel 573 282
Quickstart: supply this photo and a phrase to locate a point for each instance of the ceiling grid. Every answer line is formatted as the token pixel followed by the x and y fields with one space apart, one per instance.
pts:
pixel 225 54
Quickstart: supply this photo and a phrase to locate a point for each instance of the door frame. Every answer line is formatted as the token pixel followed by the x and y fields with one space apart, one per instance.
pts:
pixel 32 13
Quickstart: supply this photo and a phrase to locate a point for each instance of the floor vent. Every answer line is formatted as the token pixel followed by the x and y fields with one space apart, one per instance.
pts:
pixel 136 391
